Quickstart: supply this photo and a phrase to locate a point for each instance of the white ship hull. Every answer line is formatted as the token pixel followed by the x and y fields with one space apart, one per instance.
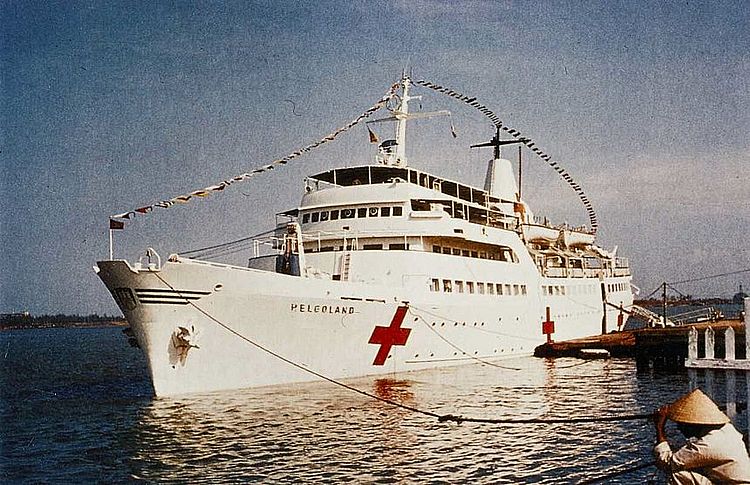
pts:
pixel 382 268
pixel 255 328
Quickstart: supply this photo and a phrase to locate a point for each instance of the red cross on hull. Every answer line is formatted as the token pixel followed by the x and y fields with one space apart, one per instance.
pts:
pixel 389 336
pixel 548 327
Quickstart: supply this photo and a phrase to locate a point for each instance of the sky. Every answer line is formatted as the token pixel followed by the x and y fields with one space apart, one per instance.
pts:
pixel 110 106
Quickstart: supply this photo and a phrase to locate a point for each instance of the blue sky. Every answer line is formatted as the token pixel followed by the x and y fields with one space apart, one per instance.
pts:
pixel 108 106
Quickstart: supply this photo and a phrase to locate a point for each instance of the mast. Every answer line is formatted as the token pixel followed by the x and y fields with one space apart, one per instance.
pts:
pixel 402 114
pixel 393 152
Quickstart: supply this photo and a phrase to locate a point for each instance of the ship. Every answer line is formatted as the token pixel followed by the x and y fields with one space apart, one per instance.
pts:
pixel 383 268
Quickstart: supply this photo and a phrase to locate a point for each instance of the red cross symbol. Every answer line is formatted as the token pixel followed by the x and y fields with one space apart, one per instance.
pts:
pixel 548 327
pixel 389 336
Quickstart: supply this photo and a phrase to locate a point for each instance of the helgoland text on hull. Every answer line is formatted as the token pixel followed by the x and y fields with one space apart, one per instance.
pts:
pixel 382 268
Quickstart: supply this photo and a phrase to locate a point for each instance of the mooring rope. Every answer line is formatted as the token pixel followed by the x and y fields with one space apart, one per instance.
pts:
pixel 442 418
pixel 617 473
pixel 472 101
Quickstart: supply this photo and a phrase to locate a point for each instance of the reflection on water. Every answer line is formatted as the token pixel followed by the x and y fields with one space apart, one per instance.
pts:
pixel 91 419
pixel 318 432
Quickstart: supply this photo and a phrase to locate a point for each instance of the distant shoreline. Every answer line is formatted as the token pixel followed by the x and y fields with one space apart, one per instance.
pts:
pixel 43 325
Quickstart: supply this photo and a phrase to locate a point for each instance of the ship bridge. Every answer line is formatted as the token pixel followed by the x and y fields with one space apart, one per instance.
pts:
pixel 423 193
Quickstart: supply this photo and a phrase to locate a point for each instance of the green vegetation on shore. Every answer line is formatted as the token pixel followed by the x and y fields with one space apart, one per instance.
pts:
pixel 26 320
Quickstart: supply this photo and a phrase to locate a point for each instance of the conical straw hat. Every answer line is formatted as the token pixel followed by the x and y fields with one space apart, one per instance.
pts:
pixel 696 408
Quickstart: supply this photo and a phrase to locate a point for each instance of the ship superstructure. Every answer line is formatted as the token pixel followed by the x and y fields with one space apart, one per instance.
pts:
pixel 382 268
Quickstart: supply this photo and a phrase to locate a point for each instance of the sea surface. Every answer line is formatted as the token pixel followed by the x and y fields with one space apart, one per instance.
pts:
pixel 76 406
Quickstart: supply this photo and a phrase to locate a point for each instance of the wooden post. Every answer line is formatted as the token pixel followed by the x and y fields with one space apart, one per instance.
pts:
pixel 710 340
pixel 729 344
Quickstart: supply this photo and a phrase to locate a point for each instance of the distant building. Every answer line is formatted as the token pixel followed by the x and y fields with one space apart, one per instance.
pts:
pixel 739 297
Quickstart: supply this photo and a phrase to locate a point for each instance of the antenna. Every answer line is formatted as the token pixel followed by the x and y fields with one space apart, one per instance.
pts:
pixel 520 173
pixel 497 143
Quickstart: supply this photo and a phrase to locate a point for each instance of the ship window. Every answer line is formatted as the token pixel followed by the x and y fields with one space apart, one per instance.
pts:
pixel 562 290
pixel 446 250
pixel 420 205
pixel 490 289
pixel 482 255
pixel 305 218
pixel 398 211
pixel 372 246
pixel 385 211
pixel 373 212
pixel 459 286
pixel 470 286
pixel 456 252
pixel 362 212
pixel 436 248
pixel 323 216
pixel 447 286
pixel 347 214
pixel 480 288
pixel 516 290
pixel 398 247
pixel 326 249
pixel 499 288
pixel 474 254
pixel 465 252
pixel 507 289
pixel 523 289
pixel 334 214
pixel 435 286
pixel 315 217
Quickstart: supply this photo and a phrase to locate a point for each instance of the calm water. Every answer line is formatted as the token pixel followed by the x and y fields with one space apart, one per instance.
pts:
pixel 76 406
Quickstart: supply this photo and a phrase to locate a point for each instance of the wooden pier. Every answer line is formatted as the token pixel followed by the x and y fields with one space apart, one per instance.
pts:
pixel 662 348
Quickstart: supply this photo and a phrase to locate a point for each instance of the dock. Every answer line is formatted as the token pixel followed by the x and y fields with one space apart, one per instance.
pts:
pixel 662 348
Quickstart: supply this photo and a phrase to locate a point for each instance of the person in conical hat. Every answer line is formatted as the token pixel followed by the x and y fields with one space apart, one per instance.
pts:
pixel 714 452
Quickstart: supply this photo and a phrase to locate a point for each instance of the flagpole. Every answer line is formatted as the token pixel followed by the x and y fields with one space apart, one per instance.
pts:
pixel 111 245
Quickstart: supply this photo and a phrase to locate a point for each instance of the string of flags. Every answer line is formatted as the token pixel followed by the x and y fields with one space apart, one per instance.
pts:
pixel 523 139
pixel 117 221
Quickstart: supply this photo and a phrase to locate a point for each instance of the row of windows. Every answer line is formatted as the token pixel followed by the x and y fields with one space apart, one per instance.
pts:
pixel 617 287
pixel 580 289
pixel 352 246
pixel 351 213
pixel 481 288
pixel 550 290
pixel 553 290
pixel 495 254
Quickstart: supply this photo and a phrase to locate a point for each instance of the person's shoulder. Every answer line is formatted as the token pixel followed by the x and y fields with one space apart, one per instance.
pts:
pixel 725 436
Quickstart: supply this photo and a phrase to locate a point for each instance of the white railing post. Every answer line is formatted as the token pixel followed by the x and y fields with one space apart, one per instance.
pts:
pixel 729 344
pixel 710 341
pixel 692 344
